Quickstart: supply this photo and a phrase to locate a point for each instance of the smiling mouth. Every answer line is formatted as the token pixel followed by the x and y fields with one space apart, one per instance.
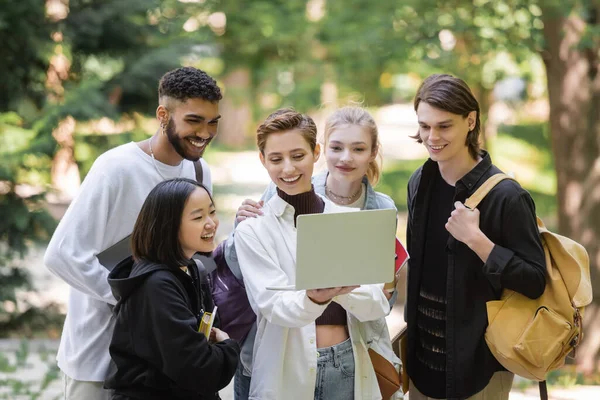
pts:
pixel 209 236
pixel 437 147
pixel 199 143
pixel 292 179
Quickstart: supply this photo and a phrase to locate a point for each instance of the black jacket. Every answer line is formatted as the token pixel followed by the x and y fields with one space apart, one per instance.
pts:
pixel 507 218
pixel 157 352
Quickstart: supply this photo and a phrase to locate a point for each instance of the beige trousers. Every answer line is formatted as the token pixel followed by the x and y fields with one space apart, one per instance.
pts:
pixel 498 389
pixel 84 390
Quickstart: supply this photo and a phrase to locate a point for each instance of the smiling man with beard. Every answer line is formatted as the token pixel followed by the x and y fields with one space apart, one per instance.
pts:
pixel 105 211
pixel 188 117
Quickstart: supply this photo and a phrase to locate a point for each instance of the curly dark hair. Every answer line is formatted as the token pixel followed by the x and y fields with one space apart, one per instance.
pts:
pixel 189 83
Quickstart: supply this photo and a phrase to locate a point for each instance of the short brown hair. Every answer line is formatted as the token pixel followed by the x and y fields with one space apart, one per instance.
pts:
pixel 352 115
pixel 451 94
pixel 287 119
pixel 155 236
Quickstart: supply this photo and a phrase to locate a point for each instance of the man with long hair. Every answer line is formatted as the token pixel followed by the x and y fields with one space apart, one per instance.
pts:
pixel 461 258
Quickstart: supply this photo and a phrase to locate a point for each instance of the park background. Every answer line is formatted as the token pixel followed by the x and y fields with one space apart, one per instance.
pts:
pixel 79 77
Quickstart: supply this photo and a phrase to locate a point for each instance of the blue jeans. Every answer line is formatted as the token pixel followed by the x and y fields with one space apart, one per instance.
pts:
pixel 335 372
pixel 241 384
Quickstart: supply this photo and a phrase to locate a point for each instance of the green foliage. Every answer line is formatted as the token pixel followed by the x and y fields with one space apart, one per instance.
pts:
pixel 22 353
pixel 361 49
pixel 138 83
pixel 276 42
pixel 568 376
pixel 394 181
pixel 5 364
pixel 138 40
pixel 51 375
pixel 28 221
pixel 13 386
pixel 524 150
pixel 108 27
pixel 24 53
pixel 25 221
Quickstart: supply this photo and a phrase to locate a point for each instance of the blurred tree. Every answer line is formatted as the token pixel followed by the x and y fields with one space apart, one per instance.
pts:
pixel 64 63
pixel 24 54
pixel 24 220
pixel 362 53
pixel 572 57
pixel 268 61
pixel 27 44
pixel 113 55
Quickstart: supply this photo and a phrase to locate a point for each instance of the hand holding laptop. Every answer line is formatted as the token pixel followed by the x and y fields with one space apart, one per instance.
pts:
pixel 322 296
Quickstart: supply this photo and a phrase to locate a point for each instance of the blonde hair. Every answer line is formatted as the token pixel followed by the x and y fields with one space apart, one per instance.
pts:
pixel 352 115
pixel 286 119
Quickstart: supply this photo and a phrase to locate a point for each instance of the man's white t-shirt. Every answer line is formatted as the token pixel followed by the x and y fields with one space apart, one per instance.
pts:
pixel 104 212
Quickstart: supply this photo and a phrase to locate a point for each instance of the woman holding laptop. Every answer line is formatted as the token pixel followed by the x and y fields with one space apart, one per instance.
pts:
pixel 308 343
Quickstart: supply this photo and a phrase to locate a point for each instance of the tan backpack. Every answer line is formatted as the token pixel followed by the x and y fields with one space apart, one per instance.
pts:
pixel 533 337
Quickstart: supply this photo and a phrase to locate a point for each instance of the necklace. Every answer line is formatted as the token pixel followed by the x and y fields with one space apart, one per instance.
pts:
pixel 156 166
pixel 343 199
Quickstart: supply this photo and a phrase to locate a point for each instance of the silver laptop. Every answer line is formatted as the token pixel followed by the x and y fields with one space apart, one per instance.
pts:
pixel 344 249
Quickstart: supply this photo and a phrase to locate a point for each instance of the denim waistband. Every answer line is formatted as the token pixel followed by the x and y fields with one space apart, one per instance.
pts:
pixel 329 353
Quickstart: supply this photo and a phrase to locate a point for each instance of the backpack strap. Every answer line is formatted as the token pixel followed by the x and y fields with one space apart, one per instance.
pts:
pixel 473 201
pixel 543 390
pixel 199 172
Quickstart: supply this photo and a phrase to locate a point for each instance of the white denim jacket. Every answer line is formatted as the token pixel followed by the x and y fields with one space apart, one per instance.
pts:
pixel 285 349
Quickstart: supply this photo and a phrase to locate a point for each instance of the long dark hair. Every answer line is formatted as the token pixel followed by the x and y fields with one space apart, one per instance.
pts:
pixel 155 235
pixel 452 94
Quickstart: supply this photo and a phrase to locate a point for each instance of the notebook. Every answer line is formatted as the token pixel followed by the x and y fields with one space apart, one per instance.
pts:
pixel 401 256
pixel 116 253
pixel 344 249
pixel 207 321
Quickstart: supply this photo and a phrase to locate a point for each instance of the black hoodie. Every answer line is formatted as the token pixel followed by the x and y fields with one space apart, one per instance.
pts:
pixel 157 352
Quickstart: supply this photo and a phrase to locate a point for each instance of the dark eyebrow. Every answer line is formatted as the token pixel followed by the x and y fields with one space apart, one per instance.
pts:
pixel 200 117
pixel 353 143
pixel 278 153
pixel 447 121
